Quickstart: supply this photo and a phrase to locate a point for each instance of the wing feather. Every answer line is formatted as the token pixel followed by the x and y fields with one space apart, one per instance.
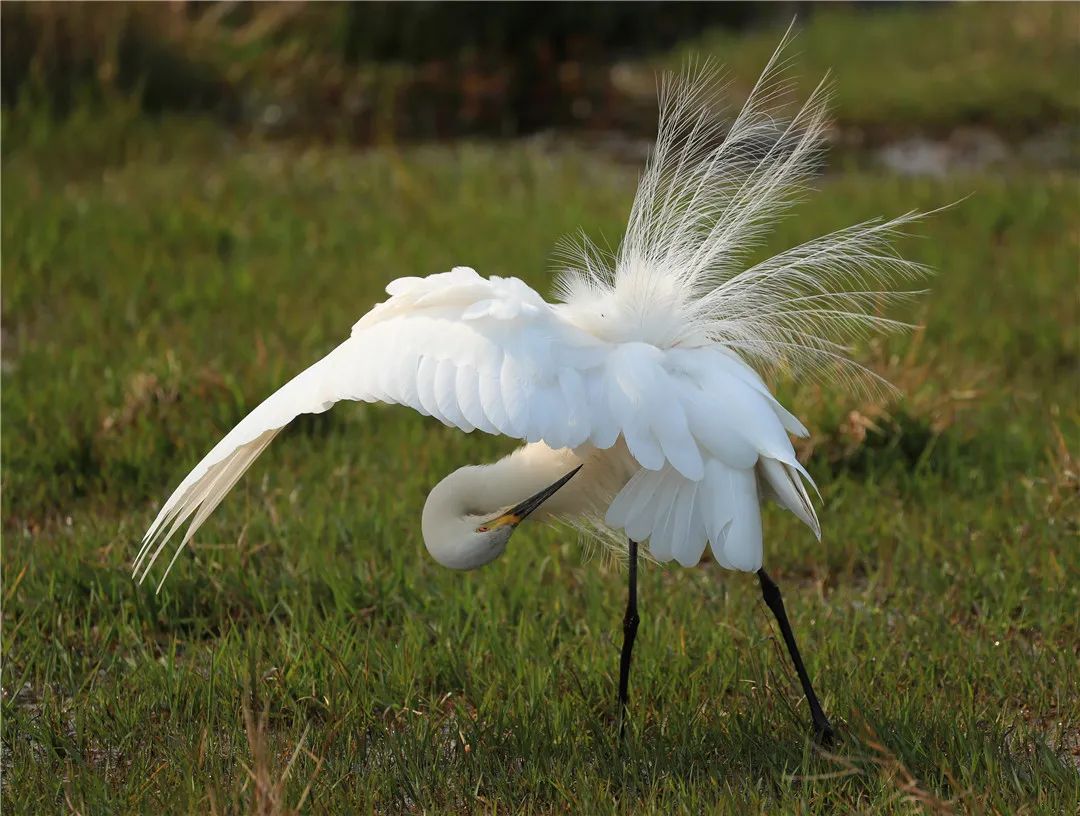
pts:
pixel 688 537
pixel 425 388
pixel 467 386
pixel 516 393
pixel 578 423
pixel 447 397
pixel 491 398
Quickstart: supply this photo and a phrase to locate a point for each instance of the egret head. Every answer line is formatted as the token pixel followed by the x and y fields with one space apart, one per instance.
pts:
pixel 459 534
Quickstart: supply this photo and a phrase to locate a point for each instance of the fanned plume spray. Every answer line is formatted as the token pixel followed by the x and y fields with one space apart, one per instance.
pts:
pixel 708 194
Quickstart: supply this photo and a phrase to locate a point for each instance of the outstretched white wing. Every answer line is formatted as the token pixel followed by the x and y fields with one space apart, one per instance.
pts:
pixel 472 352
pixel 491 354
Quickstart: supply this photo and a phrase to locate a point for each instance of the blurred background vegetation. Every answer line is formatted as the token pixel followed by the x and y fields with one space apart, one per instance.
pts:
pixel 200 198
pixel 412 71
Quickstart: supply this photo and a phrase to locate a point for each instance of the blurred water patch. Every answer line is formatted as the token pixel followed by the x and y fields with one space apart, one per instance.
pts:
pixel 974 149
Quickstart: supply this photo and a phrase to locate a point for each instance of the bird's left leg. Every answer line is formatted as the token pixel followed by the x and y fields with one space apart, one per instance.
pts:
pixel 823 729
pixel 630 625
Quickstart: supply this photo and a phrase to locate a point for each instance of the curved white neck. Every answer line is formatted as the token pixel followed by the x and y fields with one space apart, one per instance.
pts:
pixel 471 495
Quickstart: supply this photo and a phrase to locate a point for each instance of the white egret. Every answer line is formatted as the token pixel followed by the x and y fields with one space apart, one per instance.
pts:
pixel 634 391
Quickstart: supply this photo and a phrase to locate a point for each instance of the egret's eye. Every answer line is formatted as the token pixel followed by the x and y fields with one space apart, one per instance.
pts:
pixel 483 528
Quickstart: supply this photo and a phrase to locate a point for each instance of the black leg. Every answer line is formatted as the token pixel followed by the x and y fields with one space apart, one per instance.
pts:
pixel 771 593
pixel 629 628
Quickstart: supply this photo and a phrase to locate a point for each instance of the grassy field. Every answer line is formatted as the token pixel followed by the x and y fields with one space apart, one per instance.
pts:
pixel 1007 65
pixel 307 650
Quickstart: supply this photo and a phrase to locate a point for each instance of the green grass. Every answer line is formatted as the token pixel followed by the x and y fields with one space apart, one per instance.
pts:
pixel 147 309
pixel 904 69
pixel 154 289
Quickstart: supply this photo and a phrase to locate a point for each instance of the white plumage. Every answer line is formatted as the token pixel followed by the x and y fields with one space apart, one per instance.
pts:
pixel 639 375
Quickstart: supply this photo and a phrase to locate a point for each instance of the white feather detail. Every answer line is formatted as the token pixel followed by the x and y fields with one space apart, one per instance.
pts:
pixel 789 492
pixel 688 528
pixel 736 491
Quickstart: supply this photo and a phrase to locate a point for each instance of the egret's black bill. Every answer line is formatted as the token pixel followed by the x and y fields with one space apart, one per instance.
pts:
pixel 530 504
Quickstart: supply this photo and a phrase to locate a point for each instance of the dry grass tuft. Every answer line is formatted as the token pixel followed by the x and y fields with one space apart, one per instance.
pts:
pixel 267 784
pixel 1063 483
pixel 927 402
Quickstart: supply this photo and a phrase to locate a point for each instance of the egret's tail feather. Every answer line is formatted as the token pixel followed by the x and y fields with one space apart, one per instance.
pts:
pixel 710 191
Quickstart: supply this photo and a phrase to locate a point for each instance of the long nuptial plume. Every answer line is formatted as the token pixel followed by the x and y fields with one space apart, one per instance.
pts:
pixel 709 192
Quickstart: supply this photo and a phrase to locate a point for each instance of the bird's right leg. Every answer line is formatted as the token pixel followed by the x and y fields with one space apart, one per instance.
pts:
pixel 823 729
pixel 629 627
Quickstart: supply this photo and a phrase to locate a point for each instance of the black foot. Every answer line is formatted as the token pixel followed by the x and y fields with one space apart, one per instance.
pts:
pixel 824 734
